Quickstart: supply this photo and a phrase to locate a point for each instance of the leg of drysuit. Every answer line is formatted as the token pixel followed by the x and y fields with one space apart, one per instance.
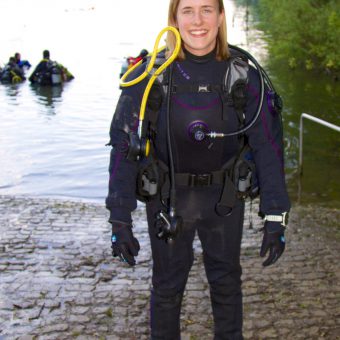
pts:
pixel 171 266
pixel 221 243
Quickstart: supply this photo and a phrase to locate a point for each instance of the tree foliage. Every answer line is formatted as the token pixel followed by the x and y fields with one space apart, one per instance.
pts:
pixel 303 33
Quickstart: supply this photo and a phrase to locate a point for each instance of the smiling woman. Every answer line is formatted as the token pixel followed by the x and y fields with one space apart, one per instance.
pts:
pixel 195 180
pixel 199 23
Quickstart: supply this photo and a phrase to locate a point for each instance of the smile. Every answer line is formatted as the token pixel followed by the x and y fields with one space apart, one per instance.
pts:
pixel 198 32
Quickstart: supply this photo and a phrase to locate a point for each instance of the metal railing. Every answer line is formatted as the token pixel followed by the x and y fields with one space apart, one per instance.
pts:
pixel 316 120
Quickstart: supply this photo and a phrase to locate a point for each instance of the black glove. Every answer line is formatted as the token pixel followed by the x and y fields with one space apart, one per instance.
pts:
pixel 274 241
pixel 124 244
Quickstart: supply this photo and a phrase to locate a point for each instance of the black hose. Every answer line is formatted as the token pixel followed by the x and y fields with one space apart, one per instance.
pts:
pixel 172 197
pixel 259 107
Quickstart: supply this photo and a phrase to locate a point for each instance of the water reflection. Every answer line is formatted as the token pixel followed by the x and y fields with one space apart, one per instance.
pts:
pixel 313 93
pixel 69 125
pixel 48 96
pixel 12 91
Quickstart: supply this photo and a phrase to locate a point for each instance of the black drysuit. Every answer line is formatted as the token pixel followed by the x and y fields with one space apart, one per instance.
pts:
pixel 220 236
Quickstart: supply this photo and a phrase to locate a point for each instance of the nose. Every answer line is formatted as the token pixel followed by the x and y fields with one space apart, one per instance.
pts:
pixel 197 18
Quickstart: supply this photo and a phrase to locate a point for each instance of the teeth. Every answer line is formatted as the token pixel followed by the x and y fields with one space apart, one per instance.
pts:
pixel 198 32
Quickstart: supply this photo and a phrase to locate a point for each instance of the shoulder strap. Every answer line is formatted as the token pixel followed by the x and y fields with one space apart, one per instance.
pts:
pixel 155 98
pixel 235 84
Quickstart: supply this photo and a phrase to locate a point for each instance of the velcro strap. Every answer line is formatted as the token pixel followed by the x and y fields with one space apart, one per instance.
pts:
pixel 199 180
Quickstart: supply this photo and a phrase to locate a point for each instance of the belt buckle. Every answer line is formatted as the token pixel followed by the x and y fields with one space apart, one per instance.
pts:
pixel 200 180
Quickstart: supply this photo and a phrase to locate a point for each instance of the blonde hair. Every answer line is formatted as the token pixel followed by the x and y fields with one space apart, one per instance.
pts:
pixel 222 50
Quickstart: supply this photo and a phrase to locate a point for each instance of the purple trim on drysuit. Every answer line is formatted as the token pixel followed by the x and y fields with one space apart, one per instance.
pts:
pixel 120 156
pixel 275 146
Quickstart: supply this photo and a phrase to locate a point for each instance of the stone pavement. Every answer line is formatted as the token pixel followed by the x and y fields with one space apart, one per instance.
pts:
pixel 59 281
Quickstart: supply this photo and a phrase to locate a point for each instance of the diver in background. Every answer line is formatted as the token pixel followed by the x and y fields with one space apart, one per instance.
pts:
pixel 130 61
pixel 12 73
pixel 49 72
pixel 23 64
pixel 191 105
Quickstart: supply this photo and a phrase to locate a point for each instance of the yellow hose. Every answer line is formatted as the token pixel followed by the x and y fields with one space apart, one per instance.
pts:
pixel 149 69
pixel 15 78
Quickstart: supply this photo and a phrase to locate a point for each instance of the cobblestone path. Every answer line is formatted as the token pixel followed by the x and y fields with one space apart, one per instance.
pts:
pixel 59 281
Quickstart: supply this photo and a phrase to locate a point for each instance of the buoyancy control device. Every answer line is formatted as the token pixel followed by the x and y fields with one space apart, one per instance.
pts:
pixel 238 177
pixel 242 170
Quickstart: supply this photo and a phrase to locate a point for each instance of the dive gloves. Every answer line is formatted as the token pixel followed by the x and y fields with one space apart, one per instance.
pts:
pixel 273 240
pixel 125 246
pixel 123 243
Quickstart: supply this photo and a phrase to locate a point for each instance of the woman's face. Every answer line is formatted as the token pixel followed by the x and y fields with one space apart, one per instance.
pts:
pixel 198 22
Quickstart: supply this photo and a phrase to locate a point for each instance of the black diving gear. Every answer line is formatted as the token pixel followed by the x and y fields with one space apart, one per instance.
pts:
pixel 11 73
pixel 124 244
pixel 273 241
pixel 241 172
pixel 200 168
pixel 47 72
pixel 233 93
pixel 194 125
pixel 50 73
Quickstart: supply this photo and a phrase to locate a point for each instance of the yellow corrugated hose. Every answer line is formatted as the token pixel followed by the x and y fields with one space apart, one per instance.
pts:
pixel 149 68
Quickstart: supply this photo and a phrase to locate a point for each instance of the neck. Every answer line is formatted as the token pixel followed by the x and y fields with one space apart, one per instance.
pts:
pixel 200 58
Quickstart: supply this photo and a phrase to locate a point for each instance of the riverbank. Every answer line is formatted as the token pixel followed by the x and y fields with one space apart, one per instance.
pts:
pixel 59 281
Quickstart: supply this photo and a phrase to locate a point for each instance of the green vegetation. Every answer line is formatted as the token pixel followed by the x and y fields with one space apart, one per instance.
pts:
pixel 302 33
pixel 109 312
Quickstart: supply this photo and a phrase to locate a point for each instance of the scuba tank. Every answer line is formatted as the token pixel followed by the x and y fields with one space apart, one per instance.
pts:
pixel 56 78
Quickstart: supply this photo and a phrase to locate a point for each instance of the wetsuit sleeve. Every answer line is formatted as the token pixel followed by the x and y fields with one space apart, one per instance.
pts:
pixel 121 198
pixel 266 140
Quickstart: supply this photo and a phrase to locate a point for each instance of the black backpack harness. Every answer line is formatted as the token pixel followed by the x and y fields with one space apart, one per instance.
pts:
pixel 237 176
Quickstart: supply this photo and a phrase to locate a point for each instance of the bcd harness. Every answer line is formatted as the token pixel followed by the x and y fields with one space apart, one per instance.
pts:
pixel 237 177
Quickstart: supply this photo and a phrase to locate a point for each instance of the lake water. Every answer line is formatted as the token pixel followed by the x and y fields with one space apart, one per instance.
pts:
pixel 52 141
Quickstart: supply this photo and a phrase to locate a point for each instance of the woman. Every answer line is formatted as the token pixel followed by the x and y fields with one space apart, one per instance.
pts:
pixel 203 196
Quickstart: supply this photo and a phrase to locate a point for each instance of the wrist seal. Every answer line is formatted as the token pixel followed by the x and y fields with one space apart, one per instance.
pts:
pixel 283 218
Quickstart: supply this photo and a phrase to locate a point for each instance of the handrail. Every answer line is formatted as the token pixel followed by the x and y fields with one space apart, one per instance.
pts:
pixel 316 120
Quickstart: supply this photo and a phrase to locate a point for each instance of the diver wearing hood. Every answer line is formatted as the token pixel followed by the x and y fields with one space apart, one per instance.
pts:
pixel 191 120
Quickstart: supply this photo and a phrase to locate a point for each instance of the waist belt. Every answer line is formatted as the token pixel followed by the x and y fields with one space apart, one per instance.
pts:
pixel 228 196
pixel 200 180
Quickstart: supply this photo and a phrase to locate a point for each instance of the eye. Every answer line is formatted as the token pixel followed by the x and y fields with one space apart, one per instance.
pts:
pixel 207 10
pixel 187 11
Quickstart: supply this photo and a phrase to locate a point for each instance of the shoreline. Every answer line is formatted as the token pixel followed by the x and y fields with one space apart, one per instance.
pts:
pixel 59 280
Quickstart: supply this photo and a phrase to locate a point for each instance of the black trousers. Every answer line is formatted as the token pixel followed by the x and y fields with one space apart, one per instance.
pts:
pixel 220 238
